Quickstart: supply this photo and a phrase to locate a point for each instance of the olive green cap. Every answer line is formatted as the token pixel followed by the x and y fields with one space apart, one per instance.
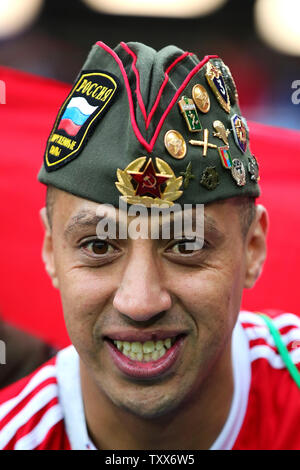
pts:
pixel 126 128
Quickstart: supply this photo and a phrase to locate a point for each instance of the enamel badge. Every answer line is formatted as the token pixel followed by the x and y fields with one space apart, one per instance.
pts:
pixel 239 132
pixel 217 84
pixel 230 85
pixel 188 109
pixel 141 183
pixel 225 157
pixel 90 98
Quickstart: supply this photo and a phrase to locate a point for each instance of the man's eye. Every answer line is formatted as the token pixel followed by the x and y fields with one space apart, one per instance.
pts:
pixel 98 247
pixel 187 247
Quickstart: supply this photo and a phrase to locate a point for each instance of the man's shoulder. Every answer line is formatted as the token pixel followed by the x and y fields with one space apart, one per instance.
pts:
pixel 261 341
pixel 273 410
pixel 31 416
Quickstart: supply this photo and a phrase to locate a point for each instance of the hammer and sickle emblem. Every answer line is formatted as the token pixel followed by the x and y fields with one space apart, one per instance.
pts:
pixel 149 181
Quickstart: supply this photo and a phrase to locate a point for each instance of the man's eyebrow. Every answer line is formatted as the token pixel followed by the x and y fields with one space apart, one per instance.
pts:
pixel 210 227
pixel 86 219
pixel 82 219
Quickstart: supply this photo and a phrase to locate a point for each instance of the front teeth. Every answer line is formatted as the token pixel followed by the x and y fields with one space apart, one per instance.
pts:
pixel 144 352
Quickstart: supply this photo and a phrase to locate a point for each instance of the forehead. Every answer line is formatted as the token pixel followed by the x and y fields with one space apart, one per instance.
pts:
pixel 72 211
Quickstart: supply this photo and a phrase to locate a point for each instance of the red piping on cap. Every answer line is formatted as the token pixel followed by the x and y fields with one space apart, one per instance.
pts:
pixel 138 88
pixel 179 59
pixel 149 146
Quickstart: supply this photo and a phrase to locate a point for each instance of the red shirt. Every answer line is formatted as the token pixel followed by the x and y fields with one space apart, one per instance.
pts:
pixel 45 411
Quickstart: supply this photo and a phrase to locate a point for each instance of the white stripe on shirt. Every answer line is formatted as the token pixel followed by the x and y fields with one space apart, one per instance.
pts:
pixel 34 405
pixel 43 374
pixel 40 431
pixel 274 359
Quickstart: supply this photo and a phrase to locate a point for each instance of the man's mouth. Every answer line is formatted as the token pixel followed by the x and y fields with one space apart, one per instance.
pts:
pixel 145 359
pixel 145 352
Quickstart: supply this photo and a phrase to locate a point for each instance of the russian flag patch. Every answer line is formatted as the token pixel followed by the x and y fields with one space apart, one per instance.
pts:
pixel 90 98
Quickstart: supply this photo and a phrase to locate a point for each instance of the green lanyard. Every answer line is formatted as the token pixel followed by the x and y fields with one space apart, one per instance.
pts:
pixel 282 350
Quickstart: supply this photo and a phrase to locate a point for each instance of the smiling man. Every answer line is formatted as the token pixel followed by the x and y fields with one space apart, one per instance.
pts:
pixel 161 356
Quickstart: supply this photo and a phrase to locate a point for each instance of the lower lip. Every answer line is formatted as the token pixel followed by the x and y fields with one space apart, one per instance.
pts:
pixel 145 370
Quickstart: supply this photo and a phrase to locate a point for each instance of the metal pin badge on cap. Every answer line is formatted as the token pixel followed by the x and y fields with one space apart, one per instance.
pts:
pixel 204 143
pixel 188 109
pixel 238 172
pixel 175 144
pixel 253 169
pixel 239 132
pixel 228 79
pixel 201 98
pixel 142 184
pixel 221 131
pixel 216 82
pixel 187 175
pixel 210 178
pixel 225 157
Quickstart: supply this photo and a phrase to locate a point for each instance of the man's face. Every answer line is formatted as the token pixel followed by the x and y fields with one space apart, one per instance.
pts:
pixel 138 290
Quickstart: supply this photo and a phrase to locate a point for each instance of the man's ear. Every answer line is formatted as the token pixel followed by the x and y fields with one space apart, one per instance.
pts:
pixel 256 246
pixel 47 248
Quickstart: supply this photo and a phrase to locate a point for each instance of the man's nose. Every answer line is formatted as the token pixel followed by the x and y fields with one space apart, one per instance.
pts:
pixel 141 294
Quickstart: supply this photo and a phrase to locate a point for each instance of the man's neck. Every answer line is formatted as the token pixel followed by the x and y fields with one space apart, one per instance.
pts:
pixel 194 425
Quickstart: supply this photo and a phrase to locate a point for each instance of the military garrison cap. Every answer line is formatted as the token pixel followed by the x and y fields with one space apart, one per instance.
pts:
pixel 153 128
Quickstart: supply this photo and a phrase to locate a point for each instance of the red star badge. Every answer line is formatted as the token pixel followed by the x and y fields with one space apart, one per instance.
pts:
pixel 148 181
